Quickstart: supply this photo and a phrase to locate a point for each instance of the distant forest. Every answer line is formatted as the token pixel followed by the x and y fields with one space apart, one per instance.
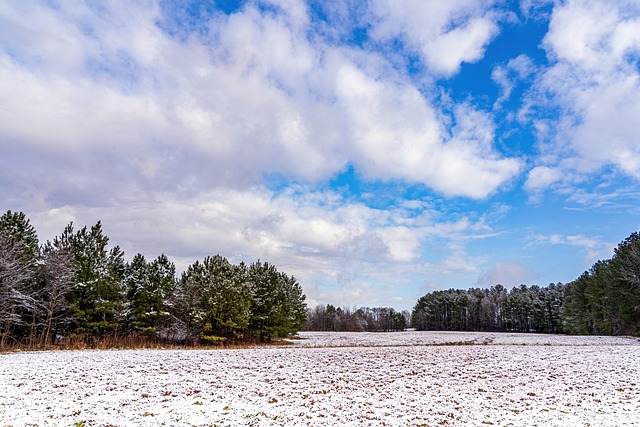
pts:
pixel 335 319
pixel 76 289
pixel 603 301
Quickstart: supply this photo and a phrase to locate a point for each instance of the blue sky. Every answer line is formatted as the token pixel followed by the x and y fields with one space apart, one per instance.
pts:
pixel 377 150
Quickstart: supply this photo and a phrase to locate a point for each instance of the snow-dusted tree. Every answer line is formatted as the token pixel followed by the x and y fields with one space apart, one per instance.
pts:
pixel 98 298
pixel 15 302
pixel 186 306
pixel 18 264
pixel 278 308
pixel 149 289
pixel 56 282
pixel 215 299
pixel 162 281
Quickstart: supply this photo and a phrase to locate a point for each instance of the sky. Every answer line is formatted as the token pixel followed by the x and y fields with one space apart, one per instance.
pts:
pixel 377 150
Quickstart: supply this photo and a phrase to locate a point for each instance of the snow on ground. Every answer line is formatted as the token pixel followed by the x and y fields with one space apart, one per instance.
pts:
pixel 393 381
pixel 411 337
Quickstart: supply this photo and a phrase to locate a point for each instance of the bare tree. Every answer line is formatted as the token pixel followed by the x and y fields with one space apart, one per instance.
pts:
pixel 15 274
pixel 56 283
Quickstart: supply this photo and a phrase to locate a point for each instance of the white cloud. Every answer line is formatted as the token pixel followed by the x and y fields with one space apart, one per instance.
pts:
pixel 535 9
pixel 593 35
pixel 605 198
pixel 446 34
pixel 559 239
pixel 595 81
pixel 397 133
pixel 541 177
pixel 459 262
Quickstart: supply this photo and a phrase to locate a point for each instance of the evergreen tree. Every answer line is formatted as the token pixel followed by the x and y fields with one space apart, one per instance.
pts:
pixel 277 307
pixel 78 287
pixel 149 288
pixel 162 281
pixel 98 298
pixel 215 299
pixel 577 312
pixel 627 260
pixel 136 282
pixel 523 309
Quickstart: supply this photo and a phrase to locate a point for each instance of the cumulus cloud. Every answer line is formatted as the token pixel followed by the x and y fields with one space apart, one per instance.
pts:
pixel 541 177
pixel 593 81
pixel 445 34
pixel 397 133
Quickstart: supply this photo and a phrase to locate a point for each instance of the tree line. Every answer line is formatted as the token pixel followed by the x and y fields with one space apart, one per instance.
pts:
pixel 76 287
pixel 377 319
pixel 522 309
pixel 605 300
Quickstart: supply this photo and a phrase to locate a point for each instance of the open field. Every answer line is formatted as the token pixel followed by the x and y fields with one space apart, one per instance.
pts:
pixel 395 379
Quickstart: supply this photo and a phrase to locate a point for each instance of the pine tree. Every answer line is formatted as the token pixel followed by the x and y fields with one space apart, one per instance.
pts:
pixel 278 308
pixel 98 298
pixel 214 299
pixel 149 288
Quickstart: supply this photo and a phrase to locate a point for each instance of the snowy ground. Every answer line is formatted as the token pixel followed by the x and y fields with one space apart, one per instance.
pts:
pixel 396 379
pixel 411 338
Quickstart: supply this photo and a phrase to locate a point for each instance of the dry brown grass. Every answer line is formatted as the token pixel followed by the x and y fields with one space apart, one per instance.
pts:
pixel 131 342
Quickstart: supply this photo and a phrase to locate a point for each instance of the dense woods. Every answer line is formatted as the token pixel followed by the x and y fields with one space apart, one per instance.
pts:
pixel 377 319
pixel 603 301
pixel 77 288
pixel 522 309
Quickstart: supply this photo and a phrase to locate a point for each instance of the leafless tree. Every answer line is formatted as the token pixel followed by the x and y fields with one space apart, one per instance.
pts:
pixel 15 302
pixel 56 282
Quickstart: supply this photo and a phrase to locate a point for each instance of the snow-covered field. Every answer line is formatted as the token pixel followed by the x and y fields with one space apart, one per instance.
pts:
pixel 396 379
pixel 412 338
